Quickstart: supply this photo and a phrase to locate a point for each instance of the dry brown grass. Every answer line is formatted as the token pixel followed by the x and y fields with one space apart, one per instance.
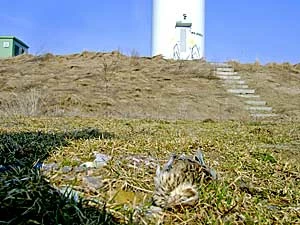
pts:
pixel 114 85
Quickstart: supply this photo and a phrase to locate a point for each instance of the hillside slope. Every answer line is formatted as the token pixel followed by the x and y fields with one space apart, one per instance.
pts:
pixel 114 85
pixel 278 84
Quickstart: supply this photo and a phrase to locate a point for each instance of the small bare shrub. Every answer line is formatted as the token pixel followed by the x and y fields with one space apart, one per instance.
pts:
pixel 25 104
pixel 134 58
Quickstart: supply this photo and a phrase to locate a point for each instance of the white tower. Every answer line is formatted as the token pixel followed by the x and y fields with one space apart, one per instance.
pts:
pixel 178 28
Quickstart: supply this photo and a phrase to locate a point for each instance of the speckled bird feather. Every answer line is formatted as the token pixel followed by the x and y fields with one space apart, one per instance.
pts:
pixel 176 184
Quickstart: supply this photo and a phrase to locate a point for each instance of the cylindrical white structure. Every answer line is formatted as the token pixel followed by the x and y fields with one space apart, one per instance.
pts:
pixel 178 28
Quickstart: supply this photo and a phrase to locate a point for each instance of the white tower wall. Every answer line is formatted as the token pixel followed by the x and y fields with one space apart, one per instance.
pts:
pixel 165 36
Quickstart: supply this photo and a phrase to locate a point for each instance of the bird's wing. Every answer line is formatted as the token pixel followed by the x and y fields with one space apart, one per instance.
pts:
pixel 169 164
pixel 199 157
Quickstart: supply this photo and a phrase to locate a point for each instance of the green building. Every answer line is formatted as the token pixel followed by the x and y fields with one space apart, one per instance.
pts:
pixel 11 46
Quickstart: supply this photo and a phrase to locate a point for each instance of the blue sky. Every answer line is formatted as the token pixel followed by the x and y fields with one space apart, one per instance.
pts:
pixel 243 30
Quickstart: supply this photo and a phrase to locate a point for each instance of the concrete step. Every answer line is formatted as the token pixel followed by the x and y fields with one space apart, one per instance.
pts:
pixel 225 69
pixel 237 86
pixel 241 91
pixel 248 96
pixel 222 73
pixel 263 115
pixel 257 102
pixel 218 64
pixel 226 77
pixel 259 108
pixel 234 82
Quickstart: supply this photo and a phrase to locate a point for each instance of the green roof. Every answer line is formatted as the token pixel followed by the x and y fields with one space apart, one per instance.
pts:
pixel 14 38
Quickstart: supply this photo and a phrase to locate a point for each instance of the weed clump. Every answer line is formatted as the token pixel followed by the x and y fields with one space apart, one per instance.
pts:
pixel 28 198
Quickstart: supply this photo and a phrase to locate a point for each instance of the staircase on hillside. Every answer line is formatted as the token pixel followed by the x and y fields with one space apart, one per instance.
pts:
pixel 237 86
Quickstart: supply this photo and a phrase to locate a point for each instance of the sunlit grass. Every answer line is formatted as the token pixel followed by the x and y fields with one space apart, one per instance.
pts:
pixel 258 165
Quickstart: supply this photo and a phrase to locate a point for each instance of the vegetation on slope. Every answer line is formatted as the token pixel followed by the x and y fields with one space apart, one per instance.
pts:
pixel 114 85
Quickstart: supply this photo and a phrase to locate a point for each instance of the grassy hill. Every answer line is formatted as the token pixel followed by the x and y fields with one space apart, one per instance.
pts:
pixel 114 85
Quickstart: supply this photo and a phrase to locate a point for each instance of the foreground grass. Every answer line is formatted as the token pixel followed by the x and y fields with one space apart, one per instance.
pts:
pixel 27 198
pixel 258 164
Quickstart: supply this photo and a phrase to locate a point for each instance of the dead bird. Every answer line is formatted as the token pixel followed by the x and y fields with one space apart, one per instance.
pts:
pixel 176 183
